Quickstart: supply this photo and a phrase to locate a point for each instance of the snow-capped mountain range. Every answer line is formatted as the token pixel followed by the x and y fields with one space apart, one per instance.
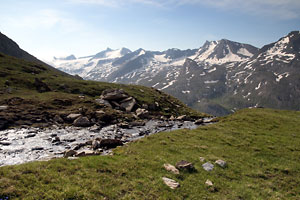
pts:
pixel 216 78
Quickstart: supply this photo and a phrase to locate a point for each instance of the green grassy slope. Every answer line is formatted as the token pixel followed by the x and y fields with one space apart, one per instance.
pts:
pixel 17 79
pixel 261 147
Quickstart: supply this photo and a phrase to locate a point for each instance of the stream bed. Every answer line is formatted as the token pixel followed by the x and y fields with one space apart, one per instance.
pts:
pixel 21 145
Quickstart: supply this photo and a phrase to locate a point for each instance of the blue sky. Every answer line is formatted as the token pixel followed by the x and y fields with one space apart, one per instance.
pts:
pixel 47 28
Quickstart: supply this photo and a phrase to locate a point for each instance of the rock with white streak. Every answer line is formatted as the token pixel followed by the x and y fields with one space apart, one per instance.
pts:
pixel 171 183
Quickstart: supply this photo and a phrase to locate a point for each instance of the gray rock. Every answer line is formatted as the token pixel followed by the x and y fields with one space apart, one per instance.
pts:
pixel 128 104
pixel 69 153
pixel 37 148
pixel 113 94
pixel 4 143
pixel 171 168
pixel 95 144
pixel 58 119
pixel 72 117
pixel 142 113
pixel 82 122
pixel 30 135
pixel 199 121
pixel 171 183
pixel 3 108
pixel 86 153
pixel 55 139
pixel 208 166
pixel 185 165
pixel 103 102
pixel 221 163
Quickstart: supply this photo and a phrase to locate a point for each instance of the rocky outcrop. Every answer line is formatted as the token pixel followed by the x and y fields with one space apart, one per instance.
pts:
pixel 117 99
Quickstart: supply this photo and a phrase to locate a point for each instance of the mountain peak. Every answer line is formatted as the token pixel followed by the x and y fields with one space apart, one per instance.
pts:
pixel 223 51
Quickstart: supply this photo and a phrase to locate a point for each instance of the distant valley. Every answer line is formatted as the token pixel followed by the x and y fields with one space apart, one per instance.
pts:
pixel 218 78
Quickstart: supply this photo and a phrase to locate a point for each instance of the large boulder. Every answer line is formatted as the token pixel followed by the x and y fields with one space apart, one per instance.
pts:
pixel 82 122
pixel 128 104
pixel 114 94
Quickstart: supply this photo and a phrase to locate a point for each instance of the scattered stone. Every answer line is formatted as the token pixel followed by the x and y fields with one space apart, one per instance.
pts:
pixel 171 183
pixel 124 125
pixel 37 148
pixel 86 153
pixel 202 159
pixel 208 166
pixel 55 139
pixel 103 102
pixel 4 143
pixel 30 135
pixel 171 168
pixel 142 113
pixel 101 112
pixel 95 144
pixel 70 153
pixel 110 143
pixel 3 108
pixel 95 128
pixel 58 119
pixel 73 158
pixel 208 182
pixel 182 117
pixel 113 94
pixel 172 118
pixel 128 104
pixel 78 146
pixel 221 163
pixel 199 121
pixel 82 122
pixel 72 117
pixel 53 135
pixel 137 123
pixel 185 165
